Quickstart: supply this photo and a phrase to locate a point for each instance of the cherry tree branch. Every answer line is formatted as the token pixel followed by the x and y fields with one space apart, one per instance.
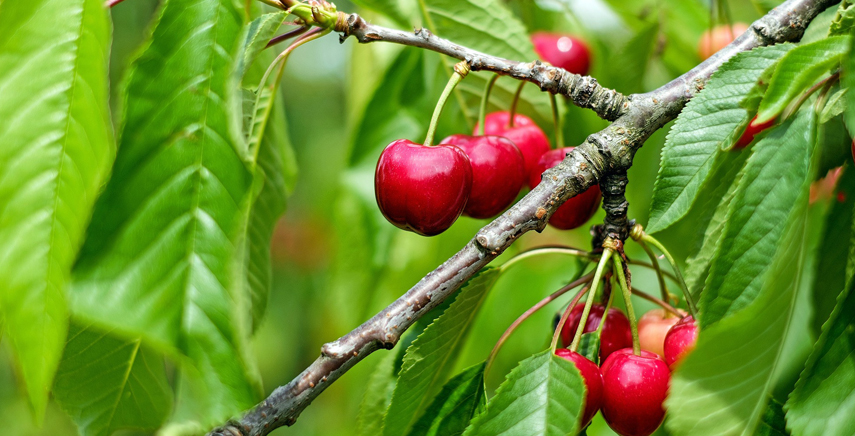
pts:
pixel 603 158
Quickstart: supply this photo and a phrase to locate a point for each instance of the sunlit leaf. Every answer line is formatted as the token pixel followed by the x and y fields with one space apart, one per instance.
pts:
pixel 452 409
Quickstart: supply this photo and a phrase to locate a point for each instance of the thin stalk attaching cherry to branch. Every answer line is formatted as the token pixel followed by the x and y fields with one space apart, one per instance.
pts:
pixel 288 35
pixel 482 112
pixel 638 234
pixel 512 112
pixel 627 298
pixel 663 304
pixel 461 69
pixel 548 250
pixel 601 266
pixel 654 261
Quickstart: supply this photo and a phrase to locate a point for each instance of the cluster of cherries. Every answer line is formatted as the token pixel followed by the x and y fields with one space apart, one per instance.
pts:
pixel 425 188
pixel 630 389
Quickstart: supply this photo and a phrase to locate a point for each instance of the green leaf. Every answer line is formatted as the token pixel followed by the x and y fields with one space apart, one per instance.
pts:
pixel 709 123
pixel 773 422
pixel 106 383
pixel 847 81
pixel 722 387
pixel 543 395
pixel 452 409
pixel 58 146
pixel 633 58
pixel 166 233
pixel 589 346
pixel 798 70
pixel 823 401
pixel 843 20
pixel 434 353
pixel 378 394
pixel 835 106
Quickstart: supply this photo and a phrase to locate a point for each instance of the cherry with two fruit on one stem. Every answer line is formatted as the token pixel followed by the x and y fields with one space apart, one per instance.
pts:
pixel 527 136
pixel 563 51
pixel 577 210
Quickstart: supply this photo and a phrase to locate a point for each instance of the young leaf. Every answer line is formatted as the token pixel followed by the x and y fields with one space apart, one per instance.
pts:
pixel 58 146
pixel 800 68
pixel 106 383
pixel 542 396
pixel 709 123
pixel 433 354
pixel 159 258
pixel 452 409
pixel 722 387
pixel 773 422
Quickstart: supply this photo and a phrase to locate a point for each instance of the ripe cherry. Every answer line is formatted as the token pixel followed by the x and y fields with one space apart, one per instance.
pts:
pixel 720 36
pixel 563 51
pixel 498 172
pixel 577 210
pixel 751 131
pixel 652 328
pixel 422 189
pixel 530 140
pixel 634 390
pixel 593 383
pixel 680 340
pixel 616 333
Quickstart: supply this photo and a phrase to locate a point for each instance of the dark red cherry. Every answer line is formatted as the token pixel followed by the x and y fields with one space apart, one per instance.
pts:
pixel 530 140
pixel 563 51
pixel 634 390
pixel 498 173
pixel 577 210
pixel 616 332
pixel 593 383
pixel 751 131
pixel 422 189
pixel 680 340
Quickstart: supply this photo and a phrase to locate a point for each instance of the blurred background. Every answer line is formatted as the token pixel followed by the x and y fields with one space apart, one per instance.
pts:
pixel 337 261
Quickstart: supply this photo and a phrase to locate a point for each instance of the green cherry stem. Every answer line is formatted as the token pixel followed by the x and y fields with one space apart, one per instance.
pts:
pixel 547 250
pixel 666 296
pixel 513 110
pixel 601 266
pixel 482 112
pixel 556 121
pixel 688 295
pixel 605 315
pixel 461 69
pixel 627 298
pixel 654 300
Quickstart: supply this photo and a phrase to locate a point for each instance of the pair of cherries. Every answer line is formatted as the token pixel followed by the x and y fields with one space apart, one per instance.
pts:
pixel 630 390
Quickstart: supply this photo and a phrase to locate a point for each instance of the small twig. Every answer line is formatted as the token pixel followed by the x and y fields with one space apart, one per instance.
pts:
pixel 288 35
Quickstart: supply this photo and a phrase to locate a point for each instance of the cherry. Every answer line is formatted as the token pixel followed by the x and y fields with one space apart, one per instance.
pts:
pixel 563 51
pixel 593 383
pixel 616 333
pixel 498 172
pixel 751 131
pixel 680 340
pixel 652 328
pixel 577 210
pixel 530 140
pixel 720 36
pixel 634 390
pixel 422 189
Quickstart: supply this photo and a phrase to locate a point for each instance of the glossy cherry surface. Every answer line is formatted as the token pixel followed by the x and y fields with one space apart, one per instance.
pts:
pixel 634 390
pixel 577 210
pixel 498 172
pixel 720 36
pixel 751 131
pixel 652 328
pixel 563 51
pixel 616 333
pixel 422 189
pixel 680 340
pixel 530 140
pixel 593 383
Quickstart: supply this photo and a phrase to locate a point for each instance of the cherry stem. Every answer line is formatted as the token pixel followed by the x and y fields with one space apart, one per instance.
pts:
pixel 666 296
pixel 794 107
pixel 513 110
pixel 111 3
pixel 661 303
pixel 650 266
pixel 572 285
pixel 605 315
pixel 556 121
pixel 557 333
pixel 288 35
pixel 547 250
pixel 601 266
pixel 482 113
pixel 627 298
pixel 461 67
pixel 688 295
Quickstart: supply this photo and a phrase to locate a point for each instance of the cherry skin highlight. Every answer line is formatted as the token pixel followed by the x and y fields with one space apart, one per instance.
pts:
pixel 720 36
pixel 577 210
pixel 563 51
pixel 652 328
pixel 634 390
pixel 616 333
pixel 593 383
pixel 680 341
pixel 422 189
pixel 751 131
pixel 530 140
pixel 498 173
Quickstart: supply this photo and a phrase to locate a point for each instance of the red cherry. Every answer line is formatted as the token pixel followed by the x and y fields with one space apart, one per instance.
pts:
pixel 563 51
pixel 751 131
pixel 422 189
pixel 577 210
pixel 616 333
pixel 680 340
pixel 652 328
pixel 634 390
pixel 593 383
pixel 716 39
pixel 498 172
pixel 530 140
